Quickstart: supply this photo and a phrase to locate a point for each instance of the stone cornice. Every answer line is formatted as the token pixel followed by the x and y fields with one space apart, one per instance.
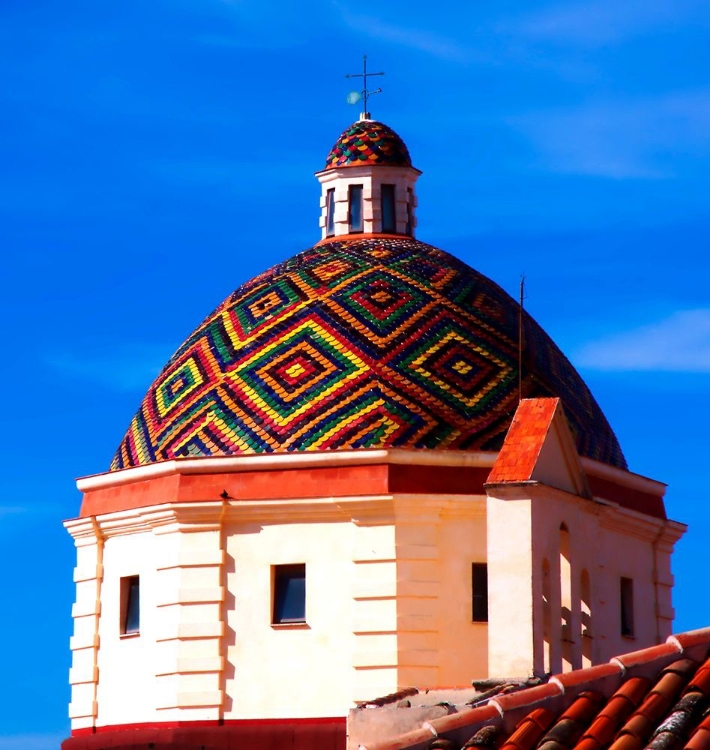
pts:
pixel 612 515
pixel 622 476
pixel 642 526
pixel 266 461
pixel 205 515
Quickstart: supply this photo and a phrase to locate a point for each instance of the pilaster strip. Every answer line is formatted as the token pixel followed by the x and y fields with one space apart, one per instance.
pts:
pixel 86 611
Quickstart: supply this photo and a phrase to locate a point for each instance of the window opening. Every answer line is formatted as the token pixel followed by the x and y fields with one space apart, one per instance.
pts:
pixel 387 208
pixel 130 605
pixel 289 594
pixel 479 592
pixel 355 208
pixel 627 606
pixel 330 212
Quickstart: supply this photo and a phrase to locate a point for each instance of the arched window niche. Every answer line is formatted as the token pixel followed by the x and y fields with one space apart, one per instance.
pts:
pixel 546 616
pixel 566 633
pixel 585 592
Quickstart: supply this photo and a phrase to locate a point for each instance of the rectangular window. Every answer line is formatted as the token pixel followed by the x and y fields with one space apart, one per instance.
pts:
pixel 355 208
pixel 626 590
pixel 479 592
pixel 330 212
pixel 387 208
pixel 289 594
pixel 410 212
pixel 130 605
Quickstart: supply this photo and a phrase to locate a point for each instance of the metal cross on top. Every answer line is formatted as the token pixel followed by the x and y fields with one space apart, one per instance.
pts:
pixel 355 96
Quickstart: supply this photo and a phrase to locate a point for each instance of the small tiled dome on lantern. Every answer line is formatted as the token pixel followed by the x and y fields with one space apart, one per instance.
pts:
pixel 368 142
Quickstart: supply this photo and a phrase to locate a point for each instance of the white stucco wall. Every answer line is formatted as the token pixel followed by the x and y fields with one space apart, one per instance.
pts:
pixel 605 540
pixel 126 684
pixel 371 179
pixel 290 670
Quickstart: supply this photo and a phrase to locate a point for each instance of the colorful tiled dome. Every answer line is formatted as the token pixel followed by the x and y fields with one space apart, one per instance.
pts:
pixel 365 343
pixel 368 143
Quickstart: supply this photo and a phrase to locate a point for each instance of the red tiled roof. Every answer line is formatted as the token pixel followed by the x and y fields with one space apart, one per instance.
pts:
pixel 523 443
pixel 657 698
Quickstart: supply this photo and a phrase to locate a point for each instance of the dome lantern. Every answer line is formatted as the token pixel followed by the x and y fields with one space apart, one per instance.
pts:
pixel 367 185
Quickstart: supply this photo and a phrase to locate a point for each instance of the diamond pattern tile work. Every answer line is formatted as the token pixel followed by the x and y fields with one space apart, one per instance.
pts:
pixel 357 344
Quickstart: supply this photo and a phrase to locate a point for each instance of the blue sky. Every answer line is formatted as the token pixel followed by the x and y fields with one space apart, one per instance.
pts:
pixel 158 154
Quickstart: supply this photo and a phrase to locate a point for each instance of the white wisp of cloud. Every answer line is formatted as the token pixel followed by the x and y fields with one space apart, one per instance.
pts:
pixel 423 40
pixel 597 22
pixel 679 343
pixel 622 139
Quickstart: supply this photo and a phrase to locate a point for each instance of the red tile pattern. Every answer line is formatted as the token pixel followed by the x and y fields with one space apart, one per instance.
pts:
pixel 571 725
pixel 530 730
pixel 610 719
pixel 657 698
pixel 521 448
pixel 368 143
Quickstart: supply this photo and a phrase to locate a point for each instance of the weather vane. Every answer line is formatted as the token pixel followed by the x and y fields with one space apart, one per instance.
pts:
pixel 355 96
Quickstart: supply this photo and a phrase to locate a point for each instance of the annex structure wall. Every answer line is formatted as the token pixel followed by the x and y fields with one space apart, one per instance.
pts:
pixel 575 576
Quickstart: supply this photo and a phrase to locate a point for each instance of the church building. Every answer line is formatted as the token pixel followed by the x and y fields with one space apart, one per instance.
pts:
pixel 353 483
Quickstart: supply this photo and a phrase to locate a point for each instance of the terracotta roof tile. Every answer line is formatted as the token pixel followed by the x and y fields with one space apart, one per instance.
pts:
pixel 655 706
pixel 582 679
pixel 571 725
pixel 627 742
pixel 699 637
pixel 657 702
pixel 647 661
pixel 486 737
pixel 525 697
pixel 463 719
pixel 612 717
pixel 675 729
pixel 530 730
pixel 701 681
pixel 700 739
pixel 521 447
